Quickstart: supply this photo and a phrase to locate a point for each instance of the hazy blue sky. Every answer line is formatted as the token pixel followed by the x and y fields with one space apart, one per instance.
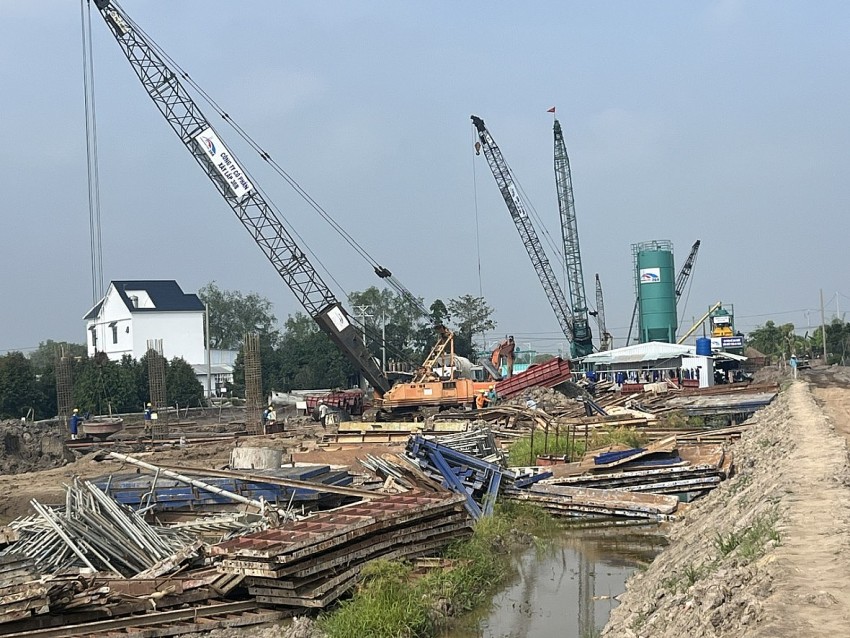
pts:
pixel 722 121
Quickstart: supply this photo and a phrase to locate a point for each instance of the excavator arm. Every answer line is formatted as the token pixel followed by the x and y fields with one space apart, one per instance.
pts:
pixel 224 171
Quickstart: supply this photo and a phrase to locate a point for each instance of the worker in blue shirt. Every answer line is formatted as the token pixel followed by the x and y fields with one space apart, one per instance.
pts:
pixel 74 423
pixel 492 396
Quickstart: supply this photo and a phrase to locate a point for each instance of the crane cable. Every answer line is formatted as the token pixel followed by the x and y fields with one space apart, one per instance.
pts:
pixel 382 272
pixel 93 174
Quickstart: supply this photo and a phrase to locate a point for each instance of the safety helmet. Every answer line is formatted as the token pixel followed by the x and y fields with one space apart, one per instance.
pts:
pixel 484 392
pixel 271 408
pixel 149 405
pixel 491 387
pixel 76 410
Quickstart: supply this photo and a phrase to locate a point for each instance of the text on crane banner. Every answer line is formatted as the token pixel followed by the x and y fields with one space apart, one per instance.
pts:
pixel 225 165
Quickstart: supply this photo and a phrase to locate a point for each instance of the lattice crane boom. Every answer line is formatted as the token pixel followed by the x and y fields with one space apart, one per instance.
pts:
pixel 605 338
pixel 582 344
pixel 510 193
pixel 223 170
pixel 685 272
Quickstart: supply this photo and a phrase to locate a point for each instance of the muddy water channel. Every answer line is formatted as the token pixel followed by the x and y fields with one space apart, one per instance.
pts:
pixel 567 589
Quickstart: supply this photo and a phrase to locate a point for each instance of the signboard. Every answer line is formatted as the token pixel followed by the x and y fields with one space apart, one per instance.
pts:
pixel 721 320
pixel 338 318
pixel 650 275
pixel 731 342
pixel 514 193
pixel 727 343
pixel 220 157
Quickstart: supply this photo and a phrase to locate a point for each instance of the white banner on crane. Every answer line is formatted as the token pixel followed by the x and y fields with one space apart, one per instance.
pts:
pixel 225 165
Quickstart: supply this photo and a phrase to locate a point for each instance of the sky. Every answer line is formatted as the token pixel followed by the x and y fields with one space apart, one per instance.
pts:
pixel 722 121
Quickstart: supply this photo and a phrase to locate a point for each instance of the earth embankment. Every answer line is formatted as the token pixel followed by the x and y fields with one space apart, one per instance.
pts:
pixel 768 552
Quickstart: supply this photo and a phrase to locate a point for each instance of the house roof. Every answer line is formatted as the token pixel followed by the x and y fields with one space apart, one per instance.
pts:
pixel 165 294
pixel 92 314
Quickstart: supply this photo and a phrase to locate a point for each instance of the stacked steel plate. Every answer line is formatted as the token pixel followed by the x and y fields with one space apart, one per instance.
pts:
pixel 310 563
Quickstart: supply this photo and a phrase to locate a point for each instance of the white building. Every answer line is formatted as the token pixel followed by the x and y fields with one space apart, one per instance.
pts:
pixel 220 371
pixel 657 361
pixel 132 312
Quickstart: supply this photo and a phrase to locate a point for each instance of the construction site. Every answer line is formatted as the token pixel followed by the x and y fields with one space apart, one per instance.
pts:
pixel 689 484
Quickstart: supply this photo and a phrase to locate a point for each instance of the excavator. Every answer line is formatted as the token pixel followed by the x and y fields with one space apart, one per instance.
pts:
pixel 504 351
pixel 163 85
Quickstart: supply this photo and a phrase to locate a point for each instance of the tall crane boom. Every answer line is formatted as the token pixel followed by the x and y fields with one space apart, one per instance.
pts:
pixel 582 344
pixel 605 338
pixel 685 272
pixel 530 240
pixel 223 170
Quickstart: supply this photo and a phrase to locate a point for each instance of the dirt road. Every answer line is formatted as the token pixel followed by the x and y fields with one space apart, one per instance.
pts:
pixel 768 553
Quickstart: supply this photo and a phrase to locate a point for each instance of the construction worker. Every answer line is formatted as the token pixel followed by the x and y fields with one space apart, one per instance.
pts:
pixel 74 423
pixel 149 416
pixel 269 416
pixel 492 396
pixel 481 400
pixel 323 412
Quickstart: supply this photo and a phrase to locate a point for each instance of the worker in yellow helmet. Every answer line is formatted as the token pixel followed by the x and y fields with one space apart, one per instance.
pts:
pixel 492 397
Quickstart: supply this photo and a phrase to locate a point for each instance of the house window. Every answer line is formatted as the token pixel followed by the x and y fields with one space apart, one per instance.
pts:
pixel 93 331
pixel 114 326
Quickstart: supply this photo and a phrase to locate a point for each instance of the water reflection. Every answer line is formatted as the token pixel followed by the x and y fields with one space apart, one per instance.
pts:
pixel 568 589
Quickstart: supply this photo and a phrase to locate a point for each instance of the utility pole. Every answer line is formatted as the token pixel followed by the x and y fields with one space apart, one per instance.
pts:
pixel 384 341
pixel 822 326
pixel 209 363
pixel 363 311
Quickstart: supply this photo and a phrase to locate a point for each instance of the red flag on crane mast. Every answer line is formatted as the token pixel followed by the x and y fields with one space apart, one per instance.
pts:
pixel 552 110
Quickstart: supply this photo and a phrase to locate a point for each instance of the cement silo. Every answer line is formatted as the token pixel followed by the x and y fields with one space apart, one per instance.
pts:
pixel 655 286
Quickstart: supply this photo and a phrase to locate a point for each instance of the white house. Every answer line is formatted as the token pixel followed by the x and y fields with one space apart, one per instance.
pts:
pixel 132 312
pixel 220 369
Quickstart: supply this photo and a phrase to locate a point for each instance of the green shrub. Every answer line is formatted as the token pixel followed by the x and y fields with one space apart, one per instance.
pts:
pixel 391 602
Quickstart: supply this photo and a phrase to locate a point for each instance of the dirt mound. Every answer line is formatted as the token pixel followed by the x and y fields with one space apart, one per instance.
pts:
pixel 28 447
pixel 764 554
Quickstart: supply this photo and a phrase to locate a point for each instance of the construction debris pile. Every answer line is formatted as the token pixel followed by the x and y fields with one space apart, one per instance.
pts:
pixel 94 531
pixel 196 549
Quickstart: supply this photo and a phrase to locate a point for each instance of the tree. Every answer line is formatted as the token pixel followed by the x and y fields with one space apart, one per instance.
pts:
pixel 182 384
pixel 233 314
pixel 43 357
pixel 309 359
pixel 304 358
pixel 102 386
pixel 471 315
pixel 18 387
pixel 401 320
pixel 837 340
pixel 772 340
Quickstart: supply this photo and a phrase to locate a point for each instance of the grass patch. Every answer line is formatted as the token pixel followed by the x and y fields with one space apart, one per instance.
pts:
pixel 680 582
pixel 763 530
pixel 727 543
pixel 676 419
pixel 617 436
pixel 392 602
pixel 750 542
pixel 521 453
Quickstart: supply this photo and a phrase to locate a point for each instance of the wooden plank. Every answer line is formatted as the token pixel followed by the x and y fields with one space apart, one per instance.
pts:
pixel 145 587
